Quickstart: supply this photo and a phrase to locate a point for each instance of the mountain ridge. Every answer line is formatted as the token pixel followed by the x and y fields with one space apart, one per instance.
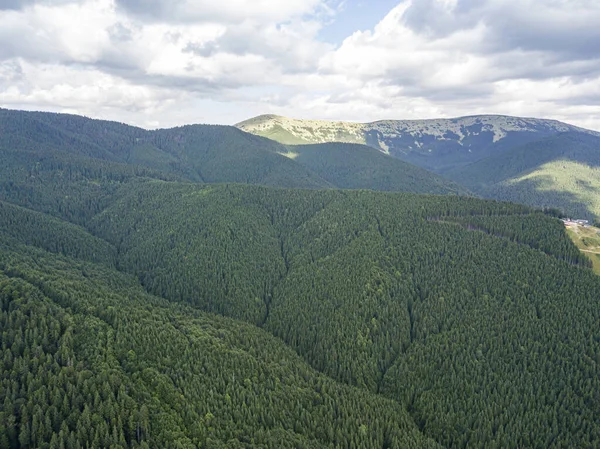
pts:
pixel 299 128
pixel 199 153
pixel 495 156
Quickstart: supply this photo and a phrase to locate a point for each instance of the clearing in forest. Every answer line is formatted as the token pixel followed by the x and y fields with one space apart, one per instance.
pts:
pixel 587 239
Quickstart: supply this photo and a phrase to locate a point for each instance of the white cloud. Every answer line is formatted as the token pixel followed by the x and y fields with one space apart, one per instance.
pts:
pixel 229 12
pixel 84 89
pixel 448 58
pixel 162 63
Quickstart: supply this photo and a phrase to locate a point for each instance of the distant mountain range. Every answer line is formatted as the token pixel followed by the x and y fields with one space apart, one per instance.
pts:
pixel 210 154
pixel 435 144
pixel 542 163
pixel 535 161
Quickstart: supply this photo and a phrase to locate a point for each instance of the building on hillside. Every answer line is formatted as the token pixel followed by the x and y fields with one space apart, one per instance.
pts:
pixel 577 222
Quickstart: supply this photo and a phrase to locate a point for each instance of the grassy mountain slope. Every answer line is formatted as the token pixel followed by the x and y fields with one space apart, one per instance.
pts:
pixel 561 171
pixel 500 157
pixel 435 144
pixel 572 187
pixel 353 166
pixel 294 132
pixel 523 159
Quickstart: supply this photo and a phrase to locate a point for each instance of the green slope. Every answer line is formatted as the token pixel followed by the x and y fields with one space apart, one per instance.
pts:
pixel 353 166
pixel 206 153
pixel 560 171
pixel 572 187
pixel 498 157
pixel 71 187
pixel 226 154
pixel 28 227
pixel 90 360
pixel 370 319
pixel 375 290
pixel 524 158
pixel 434 144
pixel 278 134
pixel 372 289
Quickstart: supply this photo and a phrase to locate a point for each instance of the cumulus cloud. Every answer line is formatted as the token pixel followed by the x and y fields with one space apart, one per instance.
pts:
pixel 230 12
pixel 167 62
pixel 467 56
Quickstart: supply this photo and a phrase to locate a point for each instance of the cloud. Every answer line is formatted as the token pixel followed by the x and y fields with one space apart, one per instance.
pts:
pixel 208 53
pixel 568 27
pixel 12 4
pixel 465 57
pixel 228 12
pixel 168 62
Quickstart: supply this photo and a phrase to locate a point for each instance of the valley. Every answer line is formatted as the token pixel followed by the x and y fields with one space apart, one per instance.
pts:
pixel 206 290
pixel 323 224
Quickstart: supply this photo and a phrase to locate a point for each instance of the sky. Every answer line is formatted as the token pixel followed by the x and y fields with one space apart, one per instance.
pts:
pixel 163 63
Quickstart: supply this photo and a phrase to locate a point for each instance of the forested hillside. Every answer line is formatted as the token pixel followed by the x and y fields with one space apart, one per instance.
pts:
pixel 140 308
pixel 542 163
pixel 376 289
pixel 198 153
pixel 353 166
pixel 561 171
pixel 205 153
pixel 90 360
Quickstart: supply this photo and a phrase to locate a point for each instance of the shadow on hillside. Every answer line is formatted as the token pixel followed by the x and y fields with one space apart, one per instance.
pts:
pixel 536 193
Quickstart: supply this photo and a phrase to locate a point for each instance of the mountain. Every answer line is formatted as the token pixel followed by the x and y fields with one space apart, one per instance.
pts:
pixel 141 307
pixel 354 166
pixel 436 144
pixel 199 153
pixel 560 171
pixel 92 360
pixel 202 153
pixel 543 163
pixel 144 310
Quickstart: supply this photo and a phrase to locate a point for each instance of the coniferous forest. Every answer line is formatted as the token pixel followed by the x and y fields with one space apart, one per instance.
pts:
pixel 146 305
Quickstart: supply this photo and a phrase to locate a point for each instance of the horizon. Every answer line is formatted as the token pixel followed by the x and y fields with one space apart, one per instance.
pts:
pixel 235 125
pixel 164 64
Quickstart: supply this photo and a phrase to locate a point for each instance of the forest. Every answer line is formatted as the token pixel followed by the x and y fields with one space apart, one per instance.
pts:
pixel 213 154
pixel 560 171
pixel 143 308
